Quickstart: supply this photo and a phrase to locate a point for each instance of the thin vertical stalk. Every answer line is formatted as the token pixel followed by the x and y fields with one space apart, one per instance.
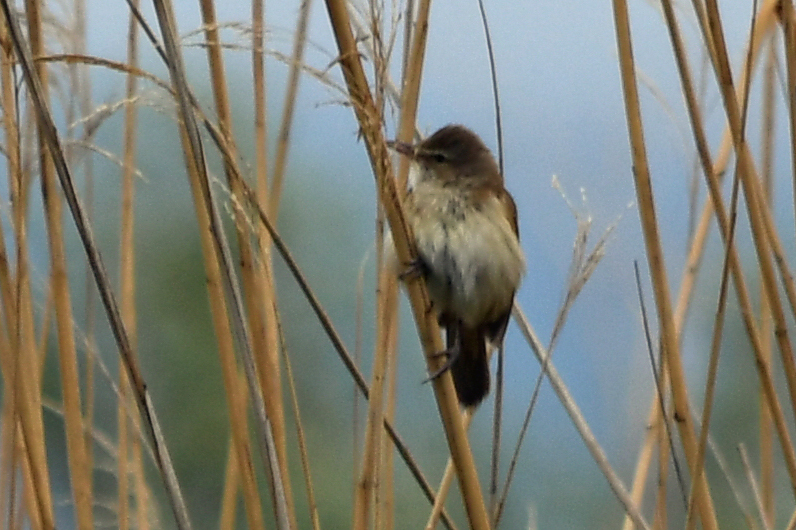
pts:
pixel 660 519
pixel 388 451
pixel 229 504
pixel 411 77
pixel 269 363
pixel 759 221
pixel 11 142
pixel 716 199
pixel 788 21
pixel 127 270
pixel 750 476
pixel 21 371
pixel 669 344
pixel 9 456
pixel 80 474
pixel 446 482
pixel 30 497
pixel 762 27
pixel 715 351
pixel 371 454
pixel 370 124
pixel 410 91
pixel 302 444
pixel 218 260
pixel 50 135
pixel 123 451
pixel 260 126
pixel 141 489
pixel 81 88
pixel 288 108
pixel 274 405
pixel 766 322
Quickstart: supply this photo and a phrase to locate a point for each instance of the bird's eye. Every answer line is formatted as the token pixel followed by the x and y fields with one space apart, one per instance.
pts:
pixel 438 158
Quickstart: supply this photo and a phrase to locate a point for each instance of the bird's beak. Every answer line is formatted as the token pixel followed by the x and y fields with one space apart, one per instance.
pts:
pixel 402 147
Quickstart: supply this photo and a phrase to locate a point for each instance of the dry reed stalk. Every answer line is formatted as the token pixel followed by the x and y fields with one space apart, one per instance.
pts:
pixel 272 401
pixel 766 322
pixel 410 89
pixel 302 444
pixel 715 194
pixel 662 430
pixel 218 262
pixel 715 350
pixel 262 284
pixel 652 438
pixel 387 504
pixel 288 108
pixel 260 130
pixel 497 419
pixel 47 126
pixel 232 477
pixel 9 354
pixel 659 521
pixel 80 473
pixel 23 372
pixel 243 479
pixel 413 60
pixel 576 416
pixel 12 156
pixel 693 261
pixel 761 225
pixel 787 17
pixel 368 484
pixel 8 455
pixel 655 258
pixel 80 88
pixel 340 348
pixel 370 126
pixel 141 489
pixel 750 477
pixel 445 483
pixel 357 357
pixel 229 498
pixel 123 451
pixel 30 497
pixel 386 299
pixel 269 362
pixel 127 272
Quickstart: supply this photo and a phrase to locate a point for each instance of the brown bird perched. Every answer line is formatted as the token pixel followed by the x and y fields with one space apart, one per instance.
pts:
pixel 465 226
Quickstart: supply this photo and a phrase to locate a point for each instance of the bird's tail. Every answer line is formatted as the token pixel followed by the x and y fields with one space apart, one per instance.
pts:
pixel 470 369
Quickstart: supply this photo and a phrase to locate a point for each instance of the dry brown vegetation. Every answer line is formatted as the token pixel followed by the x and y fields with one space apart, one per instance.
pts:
pixel 45 79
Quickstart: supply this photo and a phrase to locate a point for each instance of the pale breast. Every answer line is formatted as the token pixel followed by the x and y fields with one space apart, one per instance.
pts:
pixel 474 258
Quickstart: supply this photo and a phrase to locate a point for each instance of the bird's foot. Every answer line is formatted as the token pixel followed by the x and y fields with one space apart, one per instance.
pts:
pixel 452 354
pixel 414 270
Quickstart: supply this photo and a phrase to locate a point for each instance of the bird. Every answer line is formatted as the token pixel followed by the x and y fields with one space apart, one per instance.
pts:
pixel 464 223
